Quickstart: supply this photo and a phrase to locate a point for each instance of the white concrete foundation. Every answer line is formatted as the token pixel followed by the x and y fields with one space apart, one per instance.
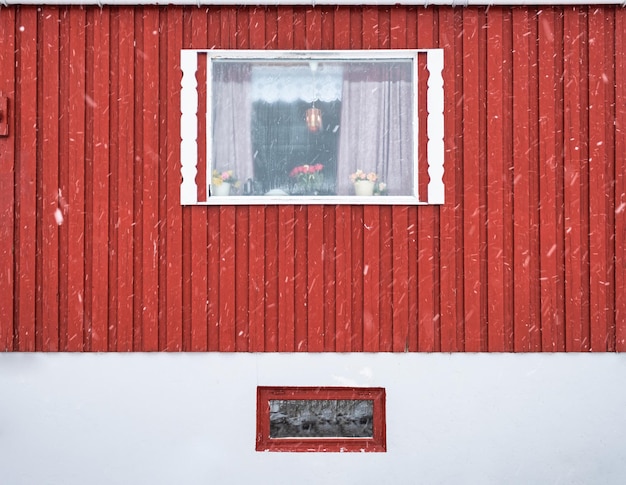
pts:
pixel 75 419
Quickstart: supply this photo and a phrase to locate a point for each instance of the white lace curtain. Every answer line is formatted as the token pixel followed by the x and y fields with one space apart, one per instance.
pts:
pixel 232 117
pixel 376 124
pixel 278 83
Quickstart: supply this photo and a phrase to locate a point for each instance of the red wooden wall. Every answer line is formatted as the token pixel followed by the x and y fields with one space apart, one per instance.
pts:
pixel 527 254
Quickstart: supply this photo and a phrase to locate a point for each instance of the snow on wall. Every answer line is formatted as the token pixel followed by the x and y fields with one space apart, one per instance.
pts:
pixel 190 418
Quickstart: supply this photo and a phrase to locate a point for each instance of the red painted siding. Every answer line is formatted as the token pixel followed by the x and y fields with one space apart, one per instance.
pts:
pixel 527 254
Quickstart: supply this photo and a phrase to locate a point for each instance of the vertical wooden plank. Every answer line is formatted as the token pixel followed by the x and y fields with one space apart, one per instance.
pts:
pixel 301 268
pixel 51 219
pixel 243 29
pixel 368 28
pixel 387 285
pixel 271 280
pixel 413 280
pixel 358 273
pixel 100 182
pixel 398 27
pixel 209 256
pixel 450 226
pixel 508 182
pixel 89 184
pixel 162 183
pixel 315 278
pixel 525 256
pixel 550 183
pixel 400 302
pixel 137 137
pixel 610 53
pixel 227 280
pixel 113 177
pixel 75 188
pixel 343 275
pixel 620 183
pixel 257 279
pixel 242 282
pixel 313 22
pixel 7 180
pixel 330 282
pixel 125 181
pixel 150 166
pixel 171 168
pixel 384 30
pixel 64 40
pixel 25 109
pixel 496 176
pixel 471 182
pixel 228 29
pixel 575 182
pixel 600 180
pixel 371 278
pixel 327 27
pixel 428 321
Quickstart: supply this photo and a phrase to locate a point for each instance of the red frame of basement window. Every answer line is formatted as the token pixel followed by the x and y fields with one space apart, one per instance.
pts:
pixel 377 443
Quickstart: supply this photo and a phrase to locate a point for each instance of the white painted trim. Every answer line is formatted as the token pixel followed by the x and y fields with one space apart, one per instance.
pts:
pixel 435 108
pixel 435 126
pixel 188 128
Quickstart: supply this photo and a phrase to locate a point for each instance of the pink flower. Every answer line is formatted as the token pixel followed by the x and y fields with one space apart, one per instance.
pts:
pixel 306 170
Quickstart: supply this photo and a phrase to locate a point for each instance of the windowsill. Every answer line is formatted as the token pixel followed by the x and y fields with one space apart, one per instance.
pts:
pixel 312 200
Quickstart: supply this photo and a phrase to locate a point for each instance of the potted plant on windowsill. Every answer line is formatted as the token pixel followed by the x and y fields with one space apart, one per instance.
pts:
pixel 307 178
pixel 223 182
pixel 365 183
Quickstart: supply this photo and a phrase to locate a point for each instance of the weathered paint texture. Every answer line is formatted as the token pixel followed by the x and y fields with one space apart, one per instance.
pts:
pixel 527 254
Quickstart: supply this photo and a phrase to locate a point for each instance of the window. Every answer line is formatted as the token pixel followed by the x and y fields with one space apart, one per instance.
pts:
pixel 320 419
pixel 304 127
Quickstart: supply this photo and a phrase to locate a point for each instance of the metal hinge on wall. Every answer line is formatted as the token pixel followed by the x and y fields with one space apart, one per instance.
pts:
pixel 4 115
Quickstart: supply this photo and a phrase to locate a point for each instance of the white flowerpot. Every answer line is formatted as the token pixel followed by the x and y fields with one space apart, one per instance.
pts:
pixel 364 187
pixel 221 190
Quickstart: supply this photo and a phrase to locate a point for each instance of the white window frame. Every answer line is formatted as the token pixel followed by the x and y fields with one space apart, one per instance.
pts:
pixel 189 124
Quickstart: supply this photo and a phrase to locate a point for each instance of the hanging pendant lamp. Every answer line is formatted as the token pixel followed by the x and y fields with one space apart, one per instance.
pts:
pixel 314 119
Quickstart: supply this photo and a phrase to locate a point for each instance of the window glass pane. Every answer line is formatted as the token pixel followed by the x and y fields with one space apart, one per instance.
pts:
pixel 311 127
pixel 327 418
pixel 282 142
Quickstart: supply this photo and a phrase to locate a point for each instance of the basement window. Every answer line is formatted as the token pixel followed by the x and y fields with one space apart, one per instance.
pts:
pixel 293 127
pixel 321 419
